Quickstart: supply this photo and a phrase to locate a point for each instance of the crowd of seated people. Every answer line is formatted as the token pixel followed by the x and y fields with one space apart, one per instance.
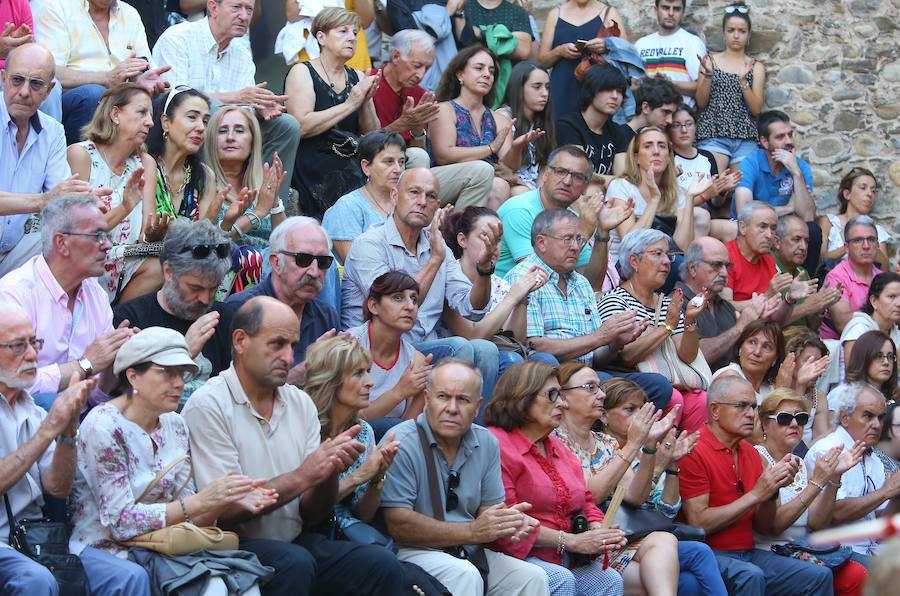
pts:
pixel 550 311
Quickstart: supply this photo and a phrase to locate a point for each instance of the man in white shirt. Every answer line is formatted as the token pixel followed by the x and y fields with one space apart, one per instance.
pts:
pixel 864 492
pixel 672 52
pixel 202 56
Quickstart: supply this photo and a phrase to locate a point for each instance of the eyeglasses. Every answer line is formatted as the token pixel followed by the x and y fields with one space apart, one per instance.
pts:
pixel 577 240
pixel 201 251
pixel 553 394
pixel 304 259
pixel 683 125
pixel 737 8
pixel 719 264
pixel 18 347
pixel 452 485
pixel 101 237
pixel 36 85
pixel 173 373
pixel 785 418
pixel 563 173
pixel 659 254
pixel 741 406
pixel 175 91
pixel 885 357
pixel 863 239
pixel 591 388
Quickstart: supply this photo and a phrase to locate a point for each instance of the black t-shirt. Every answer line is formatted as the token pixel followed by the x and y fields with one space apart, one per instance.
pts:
pixel 571 129
pixel 146 312
pixel 514 17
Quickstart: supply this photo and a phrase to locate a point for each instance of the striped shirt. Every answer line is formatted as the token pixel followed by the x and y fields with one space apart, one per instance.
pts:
pixel 556 314
pixel 620 300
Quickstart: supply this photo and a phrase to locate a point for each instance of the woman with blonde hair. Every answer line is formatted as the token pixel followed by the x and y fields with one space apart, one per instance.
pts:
pixel 650 182
pixel 113 155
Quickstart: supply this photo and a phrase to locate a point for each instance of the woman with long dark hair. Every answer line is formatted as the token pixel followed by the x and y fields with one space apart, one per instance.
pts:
pixel 874 361
pixel 881 312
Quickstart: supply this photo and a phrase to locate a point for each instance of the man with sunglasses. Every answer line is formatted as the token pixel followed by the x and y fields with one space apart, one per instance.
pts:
pixel 195 258
pixel 38 457
pixel 300 256
pixel 59 291
pixel 446 536
pixel 725 491
pixel 865 491
pixel 33 166
pixel 706 265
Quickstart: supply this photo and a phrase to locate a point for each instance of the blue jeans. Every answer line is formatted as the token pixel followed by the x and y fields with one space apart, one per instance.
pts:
pixel 108 575
pixel 481 352
pixel 20 576
pixel 509 359
pixel 78 107
pixel 699 570
pixel 758 572
pixel 656 386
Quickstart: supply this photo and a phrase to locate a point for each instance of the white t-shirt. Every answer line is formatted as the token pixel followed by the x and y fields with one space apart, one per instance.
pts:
pixel 702 163
pixel 677 56
pixel 836 234
pixel 622 190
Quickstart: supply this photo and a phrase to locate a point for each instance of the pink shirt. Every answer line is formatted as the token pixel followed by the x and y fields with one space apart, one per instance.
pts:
pixel 553 485
pixel 17 12
pixel 855 293
pixel 66 333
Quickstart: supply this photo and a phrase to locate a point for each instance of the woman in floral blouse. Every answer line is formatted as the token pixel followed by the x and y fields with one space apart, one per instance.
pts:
pixel 125 443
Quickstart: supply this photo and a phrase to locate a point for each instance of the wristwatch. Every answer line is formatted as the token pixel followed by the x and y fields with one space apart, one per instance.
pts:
pixel 65 440
pixel 88 368
pixel 485 273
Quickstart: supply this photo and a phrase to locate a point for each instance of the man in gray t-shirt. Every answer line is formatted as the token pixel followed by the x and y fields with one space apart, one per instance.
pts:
pixel 472 511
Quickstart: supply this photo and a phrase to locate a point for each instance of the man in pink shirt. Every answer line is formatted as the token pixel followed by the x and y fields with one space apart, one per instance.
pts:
pixel 58 290
pixel 853 275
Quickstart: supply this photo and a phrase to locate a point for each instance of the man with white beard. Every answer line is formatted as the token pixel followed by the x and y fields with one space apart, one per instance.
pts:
pixel 300 256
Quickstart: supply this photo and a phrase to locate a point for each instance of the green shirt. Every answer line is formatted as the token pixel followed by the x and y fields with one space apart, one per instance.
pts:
pixel 799 273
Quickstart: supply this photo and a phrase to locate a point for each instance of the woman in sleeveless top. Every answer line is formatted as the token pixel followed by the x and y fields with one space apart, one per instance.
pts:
pixel 856 194
pixel 730 93
pixel 561 52
pixel 465 128
pixel 112 156
pixel 333 104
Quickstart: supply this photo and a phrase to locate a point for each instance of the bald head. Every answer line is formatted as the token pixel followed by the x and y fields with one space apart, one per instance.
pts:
pixel 705 265
pixel 416 198
pixel 264 334
pixel 33 56
pixel 27 81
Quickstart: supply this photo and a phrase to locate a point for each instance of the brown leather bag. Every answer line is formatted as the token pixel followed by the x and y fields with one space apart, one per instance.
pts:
pixel 591 58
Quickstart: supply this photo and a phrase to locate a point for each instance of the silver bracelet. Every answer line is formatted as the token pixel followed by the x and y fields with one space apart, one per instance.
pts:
pixel 278 208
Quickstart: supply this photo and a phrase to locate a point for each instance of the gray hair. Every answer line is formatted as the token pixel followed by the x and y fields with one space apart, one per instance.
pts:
pixel 634 243
pixel 784 221
pixel 724 386
pixel 278 239
pixel 464 363
pixel 181 237
pixel 572 151
pixel 693 254
pixel 57 217
pixel 859 220
pixel 747 211
pixel 843 398
pixel 403 41
pixel 545 221
pixel 50 60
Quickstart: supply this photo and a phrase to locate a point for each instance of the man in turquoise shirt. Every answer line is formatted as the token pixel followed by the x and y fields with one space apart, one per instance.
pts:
pixel 562 182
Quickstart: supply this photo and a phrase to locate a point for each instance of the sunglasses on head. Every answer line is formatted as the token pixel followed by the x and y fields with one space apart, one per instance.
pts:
pixel 737 8
pixel 304 259
pixel 785 418
pixel 201 251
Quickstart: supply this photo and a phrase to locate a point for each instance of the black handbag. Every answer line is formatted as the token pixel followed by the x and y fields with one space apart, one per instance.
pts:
pixel 347 527
pixel 580 524
pixel 46 542
pixel 638 522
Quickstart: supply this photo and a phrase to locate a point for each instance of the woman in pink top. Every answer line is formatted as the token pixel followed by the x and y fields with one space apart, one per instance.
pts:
pixel 539 469
pixel 16 26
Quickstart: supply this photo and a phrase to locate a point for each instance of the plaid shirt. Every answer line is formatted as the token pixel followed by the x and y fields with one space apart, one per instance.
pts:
pixel 556 314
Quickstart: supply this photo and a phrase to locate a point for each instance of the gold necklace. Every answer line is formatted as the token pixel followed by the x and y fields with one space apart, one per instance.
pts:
pixel 371 197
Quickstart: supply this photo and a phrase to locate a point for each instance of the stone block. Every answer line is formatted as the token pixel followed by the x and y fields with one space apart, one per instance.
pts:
pixel 763 41
pixel 891 72
pixel 812 94
pixel 829 146
pixel 776 97
pixel 796 75
pixel 868 144
pixel 804 118
pixel 848 94
pixel 894 173
pixel 847 121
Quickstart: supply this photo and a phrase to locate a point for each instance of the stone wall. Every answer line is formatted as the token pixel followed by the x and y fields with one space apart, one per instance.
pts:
pixel 833 66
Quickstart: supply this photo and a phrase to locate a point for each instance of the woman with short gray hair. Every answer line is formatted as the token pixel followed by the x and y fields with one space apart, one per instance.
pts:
pixel 645 261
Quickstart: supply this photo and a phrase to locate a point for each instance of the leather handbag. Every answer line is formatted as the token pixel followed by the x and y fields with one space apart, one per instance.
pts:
pixel 182 538
pixel 506 341
pixel 826 556
pixel 638 522
pixel 665 361
pixel 46 542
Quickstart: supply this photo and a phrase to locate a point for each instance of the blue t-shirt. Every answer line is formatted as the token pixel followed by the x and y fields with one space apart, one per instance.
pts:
pixel 518 214
pixel 765 185
pixel 350 216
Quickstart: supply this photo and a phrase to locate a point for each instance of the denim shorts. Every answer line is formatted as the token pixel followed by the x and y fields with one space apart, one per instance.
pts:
pixel 736 149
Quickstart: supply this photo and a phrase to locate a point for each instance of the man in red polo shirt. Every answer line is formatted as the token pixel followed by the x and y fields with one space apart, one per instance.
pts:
pixel 725 491
pixel 406 108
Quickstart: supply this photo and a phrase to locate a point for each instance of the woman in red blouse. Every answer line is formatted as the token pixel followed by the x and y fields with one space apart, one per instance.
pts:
pixel 539 469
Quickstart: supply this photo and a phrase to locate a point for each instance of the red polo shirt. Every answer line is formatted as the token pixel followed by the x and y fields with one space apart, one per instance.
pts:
pixel 389 103
pixel 709 470
pixel 745 277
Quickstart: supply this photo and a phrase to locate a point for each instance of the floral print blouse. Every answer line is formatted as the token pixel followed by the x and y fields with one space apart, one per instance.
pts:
pixel 117 461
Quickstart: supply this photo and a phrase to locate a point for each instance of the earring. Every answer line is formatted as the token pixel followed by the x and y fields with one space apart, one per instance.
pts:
pixel 165 135
pixel 115 122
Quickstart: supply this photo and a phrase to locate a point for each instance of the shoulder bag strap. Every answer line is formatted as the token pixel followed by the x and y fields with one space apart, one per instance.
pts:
pixel 11 520
pixel 436 501
pixel 162 474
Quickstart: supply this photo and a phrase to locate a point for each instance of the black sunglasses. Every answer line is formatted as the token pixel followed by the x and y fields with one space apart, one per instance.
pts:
pixel 201 251
pixel 784 418
pixel 452 484
pixel 304 259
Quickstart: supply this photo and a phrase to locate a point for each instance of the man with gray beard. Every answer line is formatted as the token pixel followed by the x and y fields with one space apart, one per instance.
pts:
pixel 194 259
pixel 300 256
